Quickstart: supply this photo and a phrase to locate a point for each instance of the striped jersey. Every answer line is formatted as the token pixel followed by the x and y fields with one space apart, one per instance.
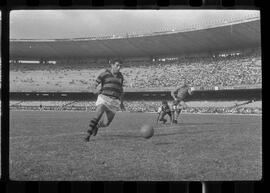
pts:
pixel 111 85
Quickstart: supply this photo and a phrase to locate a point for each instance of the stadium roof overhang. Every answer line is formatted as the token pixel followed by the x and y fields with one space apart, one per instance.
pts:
pixel 228 36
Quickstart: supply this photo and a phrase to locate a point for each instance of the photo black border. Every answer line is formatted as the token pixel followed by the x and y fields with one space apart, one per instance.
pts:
pixel 6 185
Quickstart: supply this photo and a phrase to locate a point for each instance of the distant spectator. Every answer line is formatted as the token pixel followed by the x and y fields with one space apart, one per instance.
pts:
pixel 201 71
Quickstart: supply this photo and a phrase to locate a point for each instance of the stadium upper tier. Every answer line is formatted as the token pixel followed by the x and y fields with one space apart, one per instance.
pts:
pixel 236 35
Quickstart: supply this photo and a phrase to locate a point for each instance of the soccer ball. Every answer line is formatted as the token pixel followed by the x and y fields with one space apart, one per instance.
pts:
pixel 147 131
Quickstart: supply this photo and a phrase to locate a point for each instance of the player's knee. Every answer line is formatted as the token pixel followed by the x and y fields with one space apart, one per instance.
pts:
pixel 99 111
pixel 100 108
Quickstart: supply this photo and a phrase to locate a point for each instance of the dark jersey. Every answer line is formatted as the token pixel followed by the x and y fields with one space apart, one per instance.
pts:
pixel 165 108
pixel 111 85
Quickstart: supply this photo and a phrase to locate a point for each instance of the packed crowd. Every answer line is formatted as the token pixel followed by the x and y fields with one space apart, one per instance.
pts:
pixel 199 71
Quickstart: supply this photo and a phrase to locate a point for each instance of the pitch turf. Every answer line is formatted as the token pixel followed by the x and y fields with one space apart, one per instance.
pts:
pixel 50 146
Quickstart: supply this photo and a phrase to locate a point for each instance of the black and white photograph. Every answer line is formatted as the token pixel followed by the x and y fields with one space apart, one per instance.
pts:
pixel 135 95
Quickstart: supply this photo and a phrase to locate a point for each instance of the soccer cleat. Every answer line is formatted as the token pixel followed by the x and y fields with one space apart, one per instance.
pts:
pixel 175 121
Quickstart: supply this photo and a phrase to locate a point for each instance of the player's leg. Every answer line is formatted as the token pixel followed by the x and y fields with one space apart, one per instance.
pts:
pixel 94 121
pixel 175 112
pixel 175 118
pixel 181 106
pixel 108 116
pixel 171 117
pixel 175 115
pixel 162 115
pixel 172 114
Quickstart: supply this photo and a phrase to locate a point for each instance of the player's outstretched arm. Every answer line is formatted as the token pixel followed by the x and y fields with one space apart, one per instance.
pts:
pixel 190 91
pixel 173 94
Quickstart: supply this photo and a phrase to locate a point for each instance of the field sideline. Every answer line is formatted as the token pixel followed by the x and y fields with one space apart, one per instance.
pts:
pixel 197 113
pixel 49 146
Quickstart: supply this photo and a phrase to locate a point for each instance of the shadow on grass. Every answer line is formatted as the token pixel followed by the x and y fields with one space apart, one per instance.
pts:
pixel 116 137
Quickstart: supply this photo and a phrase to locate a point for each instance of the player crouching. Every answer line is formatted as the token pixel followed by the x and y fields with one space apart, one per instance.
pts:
pixel 164 110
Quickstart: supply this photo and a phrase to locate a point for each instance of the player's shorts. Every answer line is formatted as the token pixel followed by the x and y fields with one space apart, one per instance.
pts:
pixel 110 103
pixel 179 104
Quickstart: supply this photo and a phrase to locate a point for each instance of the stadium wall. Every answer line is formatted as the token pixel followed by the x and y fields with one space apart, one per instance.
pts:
pixel 198 95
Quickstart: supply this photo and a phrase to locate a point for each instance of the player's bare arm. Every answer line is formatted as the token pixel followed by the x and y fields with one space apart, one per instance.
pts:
pixel 190 92
pixel 122 103
pixel 95 88
pixel 173 94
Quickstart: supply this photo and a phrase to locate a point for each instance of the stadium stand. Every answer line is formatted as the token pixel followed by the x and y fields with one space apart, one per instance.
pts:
pixel 229 68
pixel 237 69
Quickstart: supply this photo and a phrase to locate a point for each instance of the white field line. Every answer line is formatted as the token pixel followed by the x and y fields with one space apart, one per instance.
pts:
pixel 148 112
pixel 221 114
pixel 212 114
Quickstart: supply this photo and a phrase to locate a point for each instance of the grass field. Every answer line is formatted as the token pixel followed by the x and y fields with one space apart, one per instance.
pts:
pixel 50 146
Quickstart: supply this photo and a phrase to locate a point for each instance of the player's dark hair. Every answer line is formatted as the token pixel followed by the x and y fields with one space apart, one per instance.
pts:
pixel 113 61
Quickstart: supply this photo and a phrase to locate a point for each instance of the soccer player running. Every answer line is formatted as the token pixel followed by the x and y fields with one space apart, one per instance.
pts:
pixel 164 110
pixel 179 96
pixel 110 98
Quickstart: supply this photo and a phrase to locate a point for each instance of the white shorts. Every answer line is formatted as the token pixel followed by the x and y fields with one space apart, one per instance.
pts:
pixel 110 103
